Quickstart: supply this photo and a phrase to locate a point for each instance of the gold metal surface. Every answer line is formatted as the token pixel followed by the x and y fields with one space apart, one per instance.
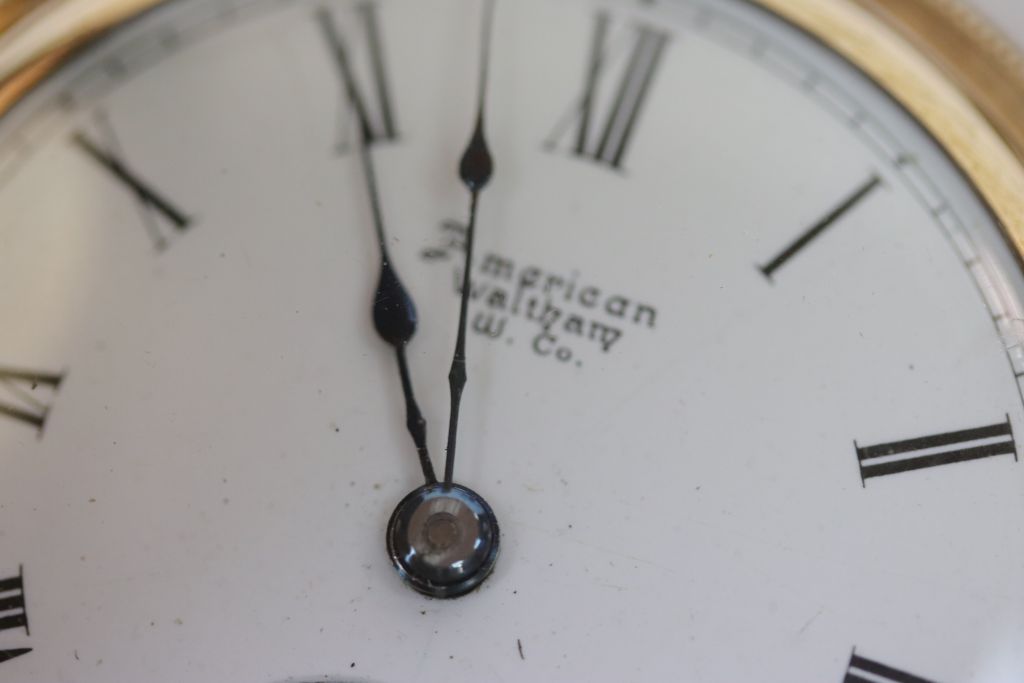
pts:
pixel 976 56
pixel 952 71
pixel 928 92
pixel 12 11
pixel 39 35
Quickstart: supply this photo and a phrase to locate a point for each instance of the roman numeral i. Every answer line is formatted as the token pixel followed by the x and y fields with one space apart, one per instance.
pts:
pixel 936 450
pixel 22 402
pixel 608 141
pixel 834 216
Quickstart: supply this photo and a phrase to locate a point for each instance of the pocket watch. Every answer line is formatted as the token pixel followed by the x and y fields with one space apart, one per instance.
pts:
pixel 494 340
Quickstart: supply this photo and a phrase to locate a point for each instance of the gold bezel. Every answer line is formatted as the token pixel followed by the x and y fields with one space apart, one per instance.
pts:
pixel 953 72
pixel 946 66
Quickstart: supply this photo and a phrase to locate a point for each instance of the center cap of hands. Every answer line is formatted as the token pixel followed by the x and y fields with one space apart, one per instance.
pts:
pixel 443 539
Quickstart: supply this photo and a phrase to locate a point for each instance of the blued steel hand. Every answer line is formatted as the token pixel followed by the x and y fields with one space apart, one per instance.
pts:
pixel 475 171
pixel 394 314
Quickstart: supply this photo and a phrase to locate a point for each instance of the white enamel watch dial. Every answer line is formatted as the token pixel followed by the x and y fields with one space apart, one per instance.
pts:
pixel 743 355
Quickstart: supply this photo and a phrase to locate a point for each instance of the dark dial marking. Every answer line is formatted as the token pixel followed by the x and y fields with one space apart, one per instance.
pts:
pixel 7 655
pixel 475 171
pixel 372 128
pixel 152 204
pixel 13 614
pixel 622 112
pixel 934 451
pixel 859 666
pixel 821 226
pixel 394 313
pixel 23 404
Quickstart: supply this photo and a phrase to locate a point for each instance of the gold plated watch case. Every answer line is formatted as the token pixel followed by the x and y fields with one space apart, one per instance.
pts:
pixel 950 69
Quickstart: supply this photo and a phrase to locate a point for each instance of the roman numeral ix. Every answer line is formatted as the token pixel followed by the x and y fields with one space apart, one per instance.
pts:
pixel 22 402
pixel 934 451
pixel 616 125
pixel 152 205
pixel 372 128
pixel 864 670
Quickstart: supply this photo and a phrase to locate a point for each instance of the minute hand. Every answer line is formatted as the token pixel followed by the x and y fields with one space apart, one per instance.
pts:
pixel 475 171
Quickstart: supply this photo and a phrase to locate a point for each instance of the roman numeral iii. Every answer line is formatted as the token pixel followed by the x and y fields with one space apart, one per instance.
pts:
pixel 377 124
pixel 20 395
pixel 937 450
pixel 601 129
pixel 864 670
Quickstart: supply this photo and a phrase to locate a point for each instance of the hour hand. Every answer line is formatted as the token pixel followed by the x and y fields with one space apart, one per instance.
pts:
pixel 394 314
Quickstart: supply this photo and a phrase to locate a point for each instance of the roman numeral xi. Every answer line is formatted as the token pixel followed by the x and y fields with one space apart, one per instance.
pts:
pixel 20 397
pixel 601 129
pixel 937 450
pixel 864 670
pixel 12 612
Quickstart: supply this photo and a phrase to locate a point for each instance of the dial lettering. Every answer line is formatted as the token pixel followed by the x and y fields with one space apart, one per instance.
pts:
pixel 821 226
pixel 22 402
pixel 152 205
pixel 610 145
pixel 373 128
pixel 864 670
pixel 934 451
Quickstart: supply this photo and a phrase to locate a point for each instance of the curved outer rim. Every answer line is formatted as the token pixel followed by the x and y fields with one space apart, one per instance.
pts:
pixel 953 72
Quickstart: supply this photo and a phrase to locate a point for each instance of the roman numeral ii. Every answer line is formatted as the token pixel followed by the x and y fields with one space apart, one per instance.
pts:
pixel 937 450
pixel 608 141
pixel 19 395
pixel 864 670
